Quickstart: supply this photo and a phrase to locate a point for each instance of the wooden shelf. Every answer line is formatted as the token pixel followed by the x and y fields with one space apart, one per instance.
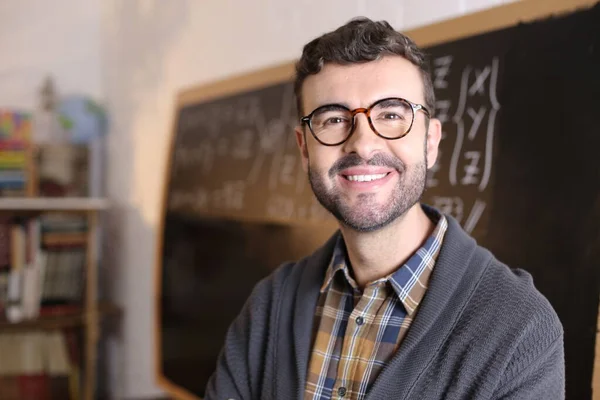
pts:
pixel 91 314
pixel 59 321
pixel 52 204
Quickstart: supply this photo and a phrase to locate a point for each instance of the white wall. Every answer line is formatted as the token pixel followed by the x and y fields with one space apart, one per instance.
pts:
pixel 40 37
pixel 135 56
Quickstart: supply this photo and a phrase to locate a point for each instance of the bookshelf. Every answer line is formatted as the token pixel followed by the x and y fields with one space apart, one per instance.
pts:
pixel 70 320
pixel 40 204
pixel 89 316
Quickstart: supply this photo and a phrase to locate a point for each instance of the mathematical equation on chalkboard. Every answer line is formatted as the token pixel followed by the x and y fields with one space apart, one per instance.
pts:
pixel 467 105
pixel 238 156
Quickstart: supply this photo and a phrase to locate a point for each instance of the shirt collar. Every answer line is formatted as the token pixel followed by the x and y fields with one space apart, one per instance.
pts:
pixel 338 263
pixel 404 278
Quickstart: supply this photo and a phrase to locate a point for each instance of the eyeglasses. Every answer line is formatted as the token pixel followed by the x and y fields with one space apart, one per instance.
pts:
pixel 390 118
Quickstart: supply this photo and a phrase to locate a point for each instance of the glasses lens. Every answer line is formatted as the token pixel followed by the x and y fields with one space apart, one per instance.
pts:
pixel 392 118
pixel 331 125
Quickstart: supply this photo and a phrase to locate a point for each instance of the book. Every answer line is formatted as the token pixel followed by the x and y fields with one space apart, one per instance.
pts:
pixel 43 261
pixel 57 364
pixel 5 232
pixel 3 291
pixel 36 366
pixel 9 388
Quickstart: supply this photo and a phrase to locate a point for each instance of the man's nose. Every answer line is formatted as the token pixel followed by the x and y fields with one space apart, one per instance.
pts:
pixel 363 140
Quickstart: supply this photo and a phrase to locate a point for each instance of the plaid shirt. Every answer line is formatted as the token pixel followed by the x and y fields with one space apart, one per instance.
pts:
pixel 358 332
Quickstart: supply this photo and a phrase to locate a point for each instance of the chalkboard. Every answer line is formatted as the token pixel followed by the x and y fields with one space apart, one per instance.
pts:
pixel 252 171
pixel 542 204
pixel 519 167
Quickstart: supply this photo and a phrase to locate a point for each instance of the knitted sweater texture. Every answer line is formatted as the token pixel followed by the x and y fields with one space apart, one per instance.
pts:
pixel 482 332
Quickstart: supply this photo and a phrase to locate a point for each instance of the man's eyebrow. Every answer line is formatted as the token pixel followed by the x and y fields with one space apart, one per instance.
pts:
pixel 390 102
pixel 331 107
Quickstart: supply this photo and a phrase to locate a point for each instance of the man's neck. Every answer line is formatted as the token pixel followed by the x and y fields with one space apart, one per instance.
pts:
pixel 374 255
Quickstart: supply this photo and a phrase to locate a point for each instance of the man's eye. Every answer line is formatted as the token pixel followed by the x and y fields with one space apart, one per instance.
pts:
pixel 391 116
pixel 335 120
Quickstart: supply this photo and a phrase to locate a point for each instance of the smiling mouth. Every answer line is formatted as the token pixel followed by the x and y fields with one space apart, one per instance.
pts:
pixel 365 178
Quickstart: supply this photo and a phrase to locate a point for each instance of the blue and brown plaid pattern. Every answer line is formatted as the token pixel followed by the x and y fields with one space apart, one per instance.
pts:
pixel 357 332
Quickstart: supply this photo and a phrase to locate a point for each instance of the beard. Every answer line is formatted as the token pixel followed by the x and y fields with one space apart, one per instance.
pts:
pixel 368 214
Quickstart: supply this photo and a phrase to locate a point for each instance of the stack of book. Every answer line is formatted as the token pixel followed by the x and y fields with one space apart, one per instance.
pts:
pixel 42 265
pixel 64 241
pixel 39 366
pixel 42 270
pixel 15 150
pixel 21 268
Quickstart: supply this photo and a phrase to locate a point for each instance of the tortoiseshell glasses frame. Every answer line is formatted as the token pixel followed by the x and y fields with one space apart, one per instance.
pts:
pixel 333 124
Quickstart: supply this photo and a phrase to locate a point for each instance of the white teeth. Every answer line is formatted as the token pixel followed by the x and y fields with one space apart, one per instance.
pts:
pixel 364 178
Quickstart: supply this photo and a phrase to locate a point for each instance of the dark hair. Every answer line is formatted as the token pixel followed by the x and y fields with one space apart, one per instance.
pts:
pixel 360 40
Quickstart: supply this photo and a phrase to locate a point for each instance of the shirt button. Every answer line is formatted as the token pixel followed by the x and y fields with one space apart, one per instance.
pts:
pixel 342 391
pixel 360 320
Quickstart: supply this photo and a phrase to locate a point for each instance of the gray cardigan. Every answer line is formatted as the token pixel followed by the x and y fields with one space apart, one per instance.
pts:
pixel 482 332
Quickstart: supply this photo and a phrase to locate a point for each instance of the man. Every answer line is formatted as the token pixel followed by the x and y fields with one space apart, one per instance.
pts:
pixel 401 303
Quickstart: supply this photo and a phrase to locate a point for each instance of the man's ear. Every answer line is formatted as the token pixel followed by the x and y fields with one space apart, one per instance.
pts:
pixel 301 141
pixel 433 140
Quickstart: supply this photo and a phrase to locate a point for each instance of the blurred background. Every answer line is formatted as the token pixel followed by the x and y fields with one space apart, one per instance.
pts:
pixel 109 72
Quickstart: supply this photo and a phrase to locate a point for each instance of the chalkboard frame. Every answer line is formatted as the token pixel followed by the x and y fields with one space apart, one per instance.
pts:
pixel 492 19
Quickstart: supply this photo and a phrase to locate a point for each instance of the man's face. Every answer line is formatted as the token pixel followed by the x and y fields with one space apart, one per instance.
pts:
pixel 368 181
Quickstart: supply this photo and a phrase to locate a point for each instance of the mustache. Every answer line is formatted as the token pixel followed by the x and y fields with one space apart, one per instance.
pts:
pixel 354 160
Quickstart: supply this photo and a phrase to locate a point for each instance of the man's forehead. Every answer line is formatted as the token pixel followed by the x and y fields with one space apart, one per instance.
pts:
pixel 358 85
